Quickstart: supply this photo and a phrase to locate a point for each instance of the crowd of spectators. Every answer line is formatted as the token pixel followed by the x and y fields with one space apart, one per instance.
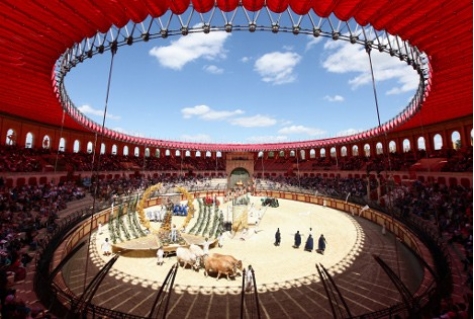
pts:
pixel 459 161
pixel 16 159
pixel 26 210
pixel 335 187
pixel 25 213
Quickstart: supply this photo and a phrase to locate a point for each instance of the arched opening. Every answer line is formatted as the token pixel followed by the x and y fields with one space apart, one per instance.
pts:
pixel 90 147
pixel 322 152
pixel 136 151
pixel 11 137
pixel 46 142
pixel 238 177
pixel 367 150
pixel 379 148
pixel 406 145
pixel 62 144
pixel 114 149
pixel 343 151
pixel 437 142
pixel 392 147
pixel 456 140
pixel 421 144
pixel 312 153
pixel 76 148
pixel 355 150
pixel 302 154
pixel 102 148
pixel 125 150
pixel 29 141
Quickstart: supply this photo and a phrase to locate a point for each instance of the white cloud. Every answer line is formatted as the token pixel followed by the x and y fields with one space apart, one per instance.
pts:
pixel 87 109
pixel 254 121
pixel 299 129
pixel 213 69
pixel 245 59
pixel 344 58
pixel 198 110
pixel 277 67
pixel 190 48
pixel 312 41
pixel 335 98
pixel 349 131
pixel 122 130
pixel 407 84
pixel 267 139
pixel 196 138
pixel 204 112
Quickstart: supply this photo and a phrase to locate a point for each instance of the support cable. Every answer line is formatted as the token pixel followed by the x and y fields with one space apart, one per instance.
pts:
pixel 256 303
pixel 60 136
pixel 82 305
pixel 298 168
pixel 368 49
pixel 328 294
pixel 95 167
pixel 346 308
pixel 171 274
pixel 405 293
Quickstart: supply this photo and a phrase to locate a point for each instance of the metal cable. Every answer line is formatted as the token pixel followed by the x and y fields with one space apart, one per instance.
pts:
pixel 96 167
pixel 368 49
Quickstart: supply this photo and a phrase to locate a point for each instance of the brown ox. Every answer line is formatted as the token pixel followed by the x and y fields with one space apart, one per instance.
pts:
pixel 237 263
pixel 219 265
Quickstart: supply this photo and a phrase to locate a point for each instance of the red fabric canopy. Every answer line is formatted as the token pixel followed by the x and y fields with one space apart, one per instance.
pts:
pixel 35 33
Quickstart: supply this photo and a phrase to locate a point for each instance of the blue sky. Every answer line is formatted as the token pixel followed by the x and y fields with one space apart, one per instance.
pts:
pixel 241 87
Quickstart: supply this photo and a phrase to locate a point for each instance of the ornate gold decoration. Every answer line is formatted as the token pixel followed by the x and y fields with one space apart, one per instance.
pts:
pixel 191 210
pixel 166 224
pixel 141 205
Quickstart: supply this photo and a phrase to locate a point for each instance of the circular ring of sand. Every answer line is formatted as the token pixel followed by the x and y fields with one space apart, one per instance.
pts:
pixel 275 266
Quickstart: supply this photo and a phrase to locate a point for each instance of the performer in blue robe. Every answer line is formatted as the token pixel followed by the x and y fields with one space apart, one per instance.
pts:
pixel 321 244
pixel 297 240
pixel 309 244
pixel 277 237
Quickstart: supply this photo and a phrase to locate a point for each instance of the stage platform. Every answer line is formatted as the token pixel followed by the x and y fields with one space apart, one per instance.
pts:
pixel 148 245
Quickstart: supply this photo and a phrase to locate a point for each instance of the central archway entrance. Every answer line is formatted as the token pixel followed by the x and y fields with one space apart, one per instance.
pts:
pixel 239 177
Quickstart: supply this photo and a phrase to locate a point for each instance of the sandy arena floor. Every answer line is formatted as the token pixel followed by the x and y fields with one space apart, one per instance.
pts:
pixel 275 267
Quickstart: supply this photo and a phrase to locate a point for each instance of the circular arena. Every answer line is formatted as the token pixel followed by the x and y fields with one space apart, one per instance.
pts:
pixel 283 271
pixel 393 201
